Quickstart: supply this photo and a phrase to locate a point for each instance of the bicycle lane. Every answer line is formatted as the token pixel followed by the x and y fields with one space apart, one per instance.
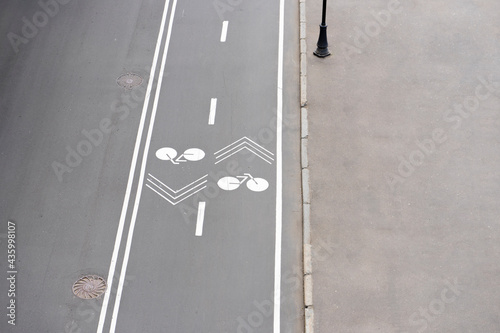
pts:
pixel 208 279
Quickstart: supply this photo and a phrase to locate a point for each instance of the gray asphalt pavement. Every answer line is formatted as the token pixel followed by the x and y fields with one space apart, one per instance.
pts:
pixel 67 139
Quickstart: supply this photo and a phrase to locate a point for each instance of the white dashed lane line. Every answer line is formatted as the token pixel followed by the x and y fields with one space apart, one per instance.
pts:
pixel 223 34
pixel 213 109
pixel 201 217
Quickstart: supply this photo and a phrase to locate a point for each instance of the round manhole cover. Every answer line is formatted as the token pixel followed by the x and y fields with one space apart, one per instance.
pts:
pixel 129 80
pixel 89 286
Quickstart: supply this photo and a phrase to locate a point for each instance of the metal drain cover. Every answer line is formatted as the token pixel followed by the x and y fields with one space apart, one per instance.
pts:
pixel 129 80
pixel 89 286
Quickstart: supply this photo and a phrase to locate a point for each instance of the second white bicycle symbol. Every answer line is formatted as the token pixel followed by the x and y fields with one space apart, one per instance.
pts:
pixel 170 154
pixel 254 184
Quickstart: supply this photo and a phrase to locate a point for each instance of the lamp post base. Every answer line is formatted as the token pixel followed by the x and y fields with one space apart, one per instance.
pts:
pixel 322 50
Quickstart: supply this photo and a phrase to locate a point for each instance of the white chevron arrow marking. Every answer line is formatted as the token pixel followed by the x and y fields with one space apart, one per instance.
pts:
pixel 179 195
pixel 239 145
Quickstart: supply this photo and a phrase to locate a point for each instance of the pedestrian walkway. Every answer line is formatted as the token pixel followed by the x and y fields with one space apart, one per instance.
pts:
pixel 404 162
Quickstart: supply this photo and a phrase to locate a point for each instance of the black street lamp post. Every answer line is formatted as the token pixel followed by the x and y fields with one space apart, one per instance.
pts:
pixel 322 50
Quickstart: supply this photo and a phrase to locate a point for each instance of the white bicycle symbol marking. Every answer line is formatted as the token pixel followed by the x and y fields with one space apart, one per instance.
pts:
pixel 170 154
pixel 232 183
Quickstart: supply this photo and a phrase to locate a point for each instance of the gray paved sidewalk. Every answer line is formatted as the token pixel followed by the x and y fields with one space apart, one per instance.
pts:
pixel 404 155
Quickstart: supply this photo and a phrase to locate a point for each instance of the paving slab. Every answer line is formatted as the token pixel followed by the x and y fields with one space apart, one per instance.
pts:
pixel 404 160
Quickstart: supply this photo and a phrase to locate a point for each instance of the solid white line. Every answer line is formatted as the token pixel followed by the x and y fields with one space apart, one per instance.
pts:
pixel 223 34
pixel 141 177
pixel 133 164
pixel 213 109
pixel 279 175
pixel 199 220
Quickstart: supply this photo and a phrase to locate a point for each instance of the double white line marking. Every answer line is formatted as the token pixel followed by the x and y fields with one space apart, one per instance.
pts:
pixel 126 201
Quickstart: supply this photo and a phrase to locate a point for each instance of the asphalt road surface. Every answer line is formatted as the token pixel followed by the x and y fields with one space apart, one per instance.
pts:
pixel 182 192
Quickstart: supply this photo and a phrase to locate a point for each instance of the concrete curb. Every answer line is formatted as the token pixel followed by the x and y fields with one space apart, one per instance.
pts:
pixel 304 161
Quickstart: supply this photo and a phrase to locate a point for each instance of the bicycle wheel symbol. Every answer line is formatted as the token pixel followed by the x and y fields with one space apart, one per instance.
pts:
pixel 170 154
pixel 232 183
pixel 257 184
pixel 229 183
